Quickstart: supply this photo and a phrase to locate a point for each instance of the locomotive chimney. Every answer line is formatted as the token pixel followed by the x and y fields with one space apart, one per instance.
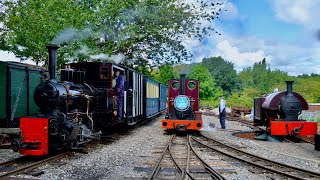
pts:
pixel 52 50
pixel 289 87
pixel 182 84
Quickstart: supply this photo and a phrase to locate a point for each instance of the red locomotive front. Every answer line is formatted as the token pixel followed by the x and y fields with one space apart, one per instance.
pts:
pixel 183 105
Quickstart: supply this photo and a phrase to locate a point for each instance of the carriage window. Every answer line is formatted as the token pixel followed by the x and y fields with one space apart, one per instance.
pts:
pixel 175 85
pixel 104 72
pixel 191 85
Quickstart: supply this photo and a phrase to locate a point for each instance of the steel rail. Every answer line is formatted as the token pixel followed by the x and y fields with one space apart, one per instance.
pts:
pixel 188 162
pixel 211 171
pixel 307 172
pixel 34 165
pixel 157 167
pixel 183 173
pixel 12 161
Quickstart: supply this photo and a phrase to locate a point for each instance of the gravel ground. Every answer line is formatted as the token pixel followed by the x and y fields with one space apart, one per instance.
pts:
pixel 8 154
pixel 118 159
pixel 112 161
pixel 296 154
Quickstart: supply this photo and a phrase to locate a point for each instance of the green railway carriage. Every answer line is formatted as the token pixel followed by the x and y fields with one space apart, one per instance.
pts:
pixel 17 83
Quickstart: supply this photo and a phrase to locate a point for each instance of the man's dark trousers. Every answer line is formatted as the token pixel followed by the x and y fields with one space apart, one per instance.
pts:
pixel 223 118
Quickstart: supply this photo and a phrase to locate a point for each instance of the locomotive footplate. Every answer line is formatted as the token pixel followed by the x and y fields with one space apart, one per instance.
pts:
pixel 181 124
pixel 285 128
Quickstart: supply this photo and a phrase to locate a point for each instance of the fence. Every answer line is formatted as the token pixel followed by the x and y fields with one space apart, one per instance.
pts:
pixel 310 116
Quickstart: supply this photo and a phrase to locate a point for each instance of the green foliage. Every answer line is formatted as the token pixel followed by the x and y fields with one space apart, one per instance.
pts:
pixel 309 88
pixel 224 74
pixel 210 103
pixel 28 25
pixel 261 77
pixel 244 98
pixel 208 88
pixel 164 73
pixel 149 30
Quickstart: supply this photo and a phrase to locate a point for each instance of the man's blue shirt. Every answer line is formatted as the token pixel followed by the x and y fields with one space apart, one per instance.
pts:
pixel 120 84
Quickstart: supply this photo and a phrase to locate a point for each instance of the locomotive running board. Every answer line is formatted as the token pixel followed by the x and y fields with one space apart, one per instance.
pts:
pixel 285 128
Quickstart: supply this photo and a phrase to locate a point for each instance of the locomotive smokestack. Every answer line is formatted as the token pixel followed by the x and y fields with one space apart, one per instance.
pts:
pixel 182 84
pixel 289 87
pixel 52 50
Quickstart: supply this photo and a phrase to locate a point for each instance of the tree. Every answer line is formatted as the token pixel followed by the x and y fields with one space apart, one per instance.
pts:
pixel 150 30
pixel 29 25
pixel 208 88
pixel 165 73
pixel 308 88
pixel 224 74
pixel 265 79
pixel 244 98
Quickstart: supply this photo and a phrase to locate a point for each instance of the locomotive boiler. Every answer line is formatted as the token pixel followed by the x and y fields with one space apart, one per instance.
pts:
pixel 183 106
pixel 279 112
pixel 65 115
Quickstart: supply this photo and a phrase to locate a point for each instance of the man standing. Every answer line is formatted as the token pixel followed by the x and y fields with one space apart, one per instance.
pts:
pixel 120 88
pixel 222 112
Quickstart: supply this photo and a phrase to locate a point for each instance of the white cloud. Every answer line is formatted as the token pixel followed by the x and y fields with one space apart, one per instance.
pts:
pixel 240 58
pixel 305 13
pixel 8 56
pixel 231 12
pixel 244 51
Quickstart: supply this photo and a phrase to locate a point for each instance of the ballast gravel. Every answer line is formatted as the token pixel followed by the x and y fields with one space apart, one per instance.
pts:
pixel 119 159
pixel 116 160
pixel 300 155
pixel 8 154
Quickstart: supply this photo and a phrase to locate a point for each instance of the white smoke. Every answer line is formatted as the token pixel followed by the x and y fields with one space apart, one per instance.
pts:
pixel 100 56
pixel 72 35
pixel 118 58
pixel 103 57
pixel 84 50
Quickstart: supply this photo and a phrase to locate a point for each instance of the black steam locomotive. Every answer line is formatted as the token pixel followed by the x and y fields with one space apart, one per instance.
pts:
pixel 74 111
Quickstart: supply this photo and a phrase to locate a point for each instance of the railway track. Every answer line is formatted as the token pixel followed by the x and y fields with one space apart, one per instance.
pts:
pixel 26 163
pixel 180 161
pixel 266 166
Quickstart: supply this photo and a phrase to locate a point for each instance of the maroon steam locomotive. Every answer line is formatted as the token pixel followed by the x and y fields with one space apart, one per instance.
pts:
pixel 279 112
pixel 183 106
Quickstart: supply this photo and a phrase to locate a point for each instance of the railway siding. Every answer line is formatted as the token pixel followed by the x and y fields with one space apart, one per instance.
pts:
pixel 135 154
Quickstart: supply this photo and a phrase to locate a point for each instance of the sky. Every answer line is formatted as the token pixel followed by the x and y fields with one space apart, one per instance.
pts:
pixel 285 32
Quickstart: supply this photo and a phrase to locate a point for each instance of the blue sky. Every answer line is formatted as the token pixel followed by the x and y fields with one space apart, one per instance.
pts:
pixel 282 31
pixel 258 19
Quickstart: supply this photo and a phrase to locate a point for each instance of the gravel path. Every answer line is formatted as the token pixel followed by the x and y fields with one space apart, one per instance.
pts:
pixel 118 159
pixel 112 161
pixel 8 154
pixel 296 154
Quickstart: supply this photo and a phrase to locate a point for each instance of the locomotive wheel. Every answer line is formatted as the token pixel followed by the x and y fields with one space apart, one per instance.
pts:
pixel 123 128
